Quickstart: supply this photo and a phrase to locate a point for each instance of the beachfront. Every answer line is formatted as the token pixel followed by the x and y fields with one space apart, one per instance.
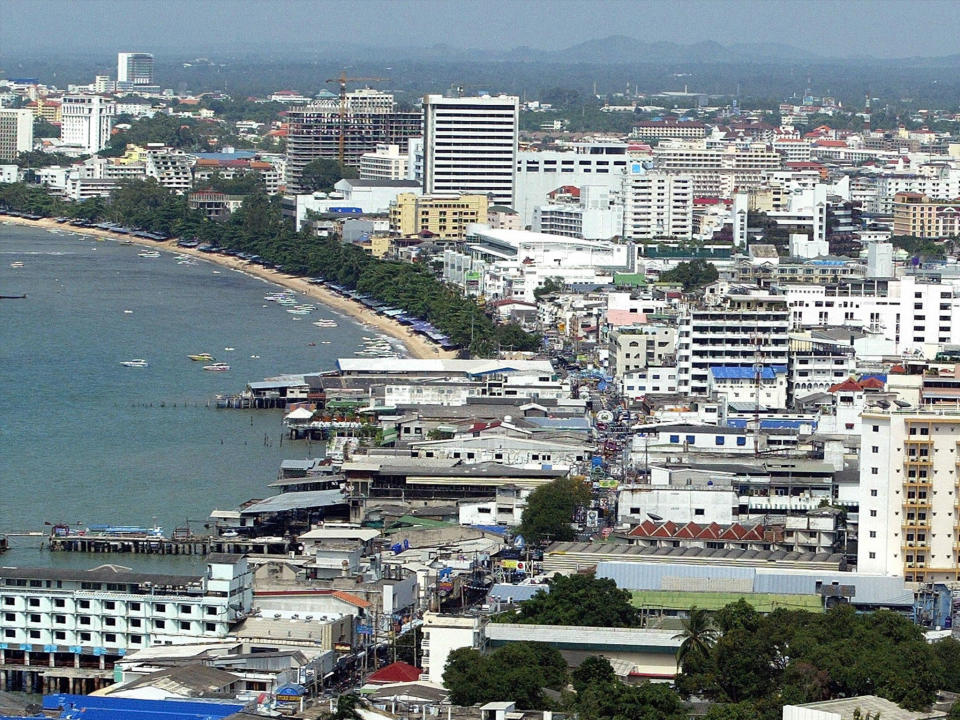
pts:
pixel 417 346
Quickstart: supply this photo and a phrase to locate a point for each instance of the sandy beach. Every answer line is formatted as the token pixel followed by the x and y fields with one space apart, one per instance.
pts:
pixel 417 345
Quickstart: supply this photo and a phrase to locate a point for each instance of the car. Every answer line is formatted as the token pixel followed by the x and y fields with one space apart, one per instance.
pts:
pixel 229 534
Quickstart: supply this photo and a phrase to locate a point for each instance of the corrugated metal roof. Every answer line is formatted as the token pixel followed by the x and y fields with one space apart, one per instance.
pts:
pixel 508 592
pixel 296 500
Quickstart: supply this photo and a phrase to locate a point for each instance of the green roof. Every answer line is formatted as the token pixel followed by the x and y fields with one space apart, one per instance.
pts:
pixel 632 279
pixel 684 600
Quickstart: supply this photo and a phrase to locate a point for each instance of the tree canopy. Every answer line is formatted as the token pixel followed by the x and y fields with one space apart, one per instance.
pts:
pixel 321 175
pixel 578 599
pixel 519 671
pixel 691 275
pixel 550 510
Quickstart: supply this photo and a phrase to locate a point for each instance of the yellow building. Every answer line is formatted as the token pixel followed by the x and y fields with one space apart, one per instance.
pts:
pixel 918 215
pixel 446 216
pixel 380 245
pixel 49 110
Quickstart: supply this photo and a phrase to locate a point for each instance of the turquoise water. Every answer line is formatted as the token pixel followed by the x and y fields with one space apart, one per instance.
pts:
pixel 83 439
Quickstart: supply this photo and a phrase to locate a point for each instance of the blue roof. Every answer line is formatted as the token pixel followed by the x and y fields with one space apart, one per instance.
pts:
pixel 882 377
pixel 90 707
pixel 771 424
pixel 238 155
pixel 498 529
pixel 741 372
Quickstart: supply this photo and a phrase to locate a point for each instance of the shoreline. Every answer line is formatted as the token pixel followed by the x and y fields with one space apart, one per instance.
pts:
pixel 416 346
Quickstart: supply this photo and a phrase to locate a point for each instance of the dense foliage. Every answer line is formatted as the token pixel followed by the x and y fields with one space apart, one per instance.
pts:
pixel 691 275
pixel 760 662
pixel 516 671
pixel 322 174
pixel 259 227
pixel 582 600
pixel 551 508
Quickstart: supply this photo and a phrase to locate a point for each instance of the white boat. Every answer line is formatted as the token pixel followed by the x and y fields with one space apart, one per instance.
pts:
pixel 16 264
pixel 217 367
pixel 295 311
pixel 148 254
pixel 128 312
pixel 325 323
pixel 137 363
pixel 229 349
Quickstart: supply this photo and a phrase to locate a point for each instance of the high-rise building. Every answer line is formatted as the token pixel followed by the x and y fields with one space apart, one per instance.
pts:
pixel 371 119
pixel 86 120
pixel 657 205
pixel 16 132
pixel 446 216
pixel 135 68
pixel 741 331
pixel 909 487
pixel 470 145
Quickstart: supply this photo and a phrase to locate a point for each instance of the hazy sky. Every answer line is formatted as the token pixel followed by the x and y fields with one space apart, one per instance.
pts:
pixel 881 28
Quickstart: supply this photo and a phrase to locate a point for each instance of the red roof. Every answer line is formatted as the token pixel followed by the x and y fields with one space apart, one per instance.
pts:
pixel 847 385
pixel 832 143
pixel 872 383
pixel 352 599
pixel 395 673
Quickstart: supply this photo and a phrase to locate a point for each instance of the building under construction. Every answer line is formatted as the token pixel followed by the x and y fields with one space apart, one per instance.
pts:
pixel 369 117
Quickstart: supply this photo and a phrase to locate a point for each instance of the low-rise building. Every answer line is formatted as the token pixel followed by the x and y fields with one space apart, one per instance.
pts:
pixel 444 216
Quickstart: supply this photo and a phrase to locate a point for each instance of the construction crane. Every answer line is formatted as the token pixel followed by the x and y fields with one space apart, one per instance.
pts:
pixel 342 82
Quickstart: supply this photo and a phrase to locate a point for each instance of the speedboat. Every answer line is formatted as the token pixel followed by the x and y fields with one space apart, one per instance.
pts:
pixel 202 356
pixel 148 254
pixel 137 362
pixel 16 264
pixel 217 367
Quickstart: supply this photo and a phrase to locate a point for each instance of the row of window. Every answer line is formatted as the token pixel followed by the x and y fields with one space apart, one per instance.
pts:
pixel 718 440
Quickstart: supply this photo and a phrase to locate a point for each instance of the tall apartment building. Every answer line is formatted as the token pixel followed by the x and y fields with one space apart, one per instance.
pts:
pixel 597 216
pixel 657 205
pixel 60 618
pixel 86 120
pixel 470 146
pixel 173 170
pixel 541 172
pixel 910 495
pixel 718 172
pixel 918 215
pixel 371 120
pixel 384 163
pixel 446 216
pixel 16 132
pixel 135 68
pixel 743 330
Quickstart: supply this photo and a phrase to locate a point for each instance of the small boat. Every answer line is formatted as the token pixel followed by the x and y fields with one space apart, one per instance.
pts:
pixel 255 357
pixel 135 363
pixel 128 312
pixel 148 254
pixel 294 311
pixel 229 349
pixel 202 356
pixel 16 264
pixel 217 367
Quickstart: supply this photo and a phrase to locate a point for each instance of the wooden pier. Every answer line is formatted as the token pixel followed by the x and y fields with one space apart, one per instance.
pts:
pixel 146 545
pixel 250 402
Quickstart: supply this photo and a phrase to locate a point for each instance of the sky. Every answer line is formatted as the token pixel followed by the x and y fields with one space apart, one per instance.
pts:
pixel 831 28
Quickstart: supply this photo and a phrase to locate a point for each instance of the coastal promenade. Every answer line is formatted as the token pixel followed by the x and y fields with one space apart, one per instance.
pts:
pixel 416 345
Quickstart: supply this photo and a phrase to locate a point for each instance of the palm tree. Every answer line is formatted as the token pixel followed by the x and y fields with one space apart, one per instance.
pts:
pixel 699 635
pixel 348 707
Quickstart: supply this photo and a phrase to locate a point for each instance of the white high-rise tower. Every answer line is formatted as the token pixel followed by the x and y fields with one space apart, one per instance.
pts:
pixel 470 145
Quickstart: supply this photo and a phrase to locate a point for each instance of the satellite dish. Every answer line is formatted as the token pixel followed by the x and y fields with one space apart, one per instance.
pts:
pixel 654 517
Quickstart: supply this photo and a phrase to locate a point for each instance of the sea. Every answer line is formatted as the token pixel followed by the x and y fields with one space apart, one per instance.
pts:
pixel 85 440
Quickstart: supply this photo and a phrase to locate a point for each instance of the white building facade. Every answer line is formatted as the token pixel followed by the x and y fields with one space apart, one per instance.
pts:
pixel 87 121
pixel 470 145
pixel 657 205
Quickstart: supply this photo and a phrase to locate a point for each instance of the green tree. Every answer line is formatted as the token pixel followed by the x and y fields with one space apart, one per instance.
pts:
pixel 44 129
pixel 520 670
pixel 348 707
pixel 595 671
pixel 948 653
pixel 322 174
pixel 698 637
pixel 579 599
pixel 691 275
pixel 550 510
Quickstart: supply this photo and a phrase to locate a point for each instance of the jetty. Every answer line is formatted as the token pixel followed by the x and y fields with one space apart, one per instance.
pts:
pixel 159 545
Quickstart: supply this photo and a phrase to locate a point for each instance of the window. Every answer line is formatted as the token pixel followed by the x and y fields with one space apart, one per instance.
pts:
pixel 873 533
pixel 134 606
pixel 59 602
pixel 741 441
pixel 184 624
pixel 35 617
pixel 33 602
pixel 876 428
pixel 109 605
pixel 698 511
pixel 210 627
pixel 874 471
pixel 674 438
pixel 873 513
pixel 9 633
pixel 110 621
pixel 874 449
pixel 59 635
pixel 136 639
pixel 34 634
pixel 136 622
pixel 185 609
pixel 84 604
pixel 110 637
pixel 211 610
pixel 84 637
pixel 873 556
pixel 160 624
pixel 84 619
pixel 160 607
pixel 719 439
pixel 873 492
pixel 691 439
